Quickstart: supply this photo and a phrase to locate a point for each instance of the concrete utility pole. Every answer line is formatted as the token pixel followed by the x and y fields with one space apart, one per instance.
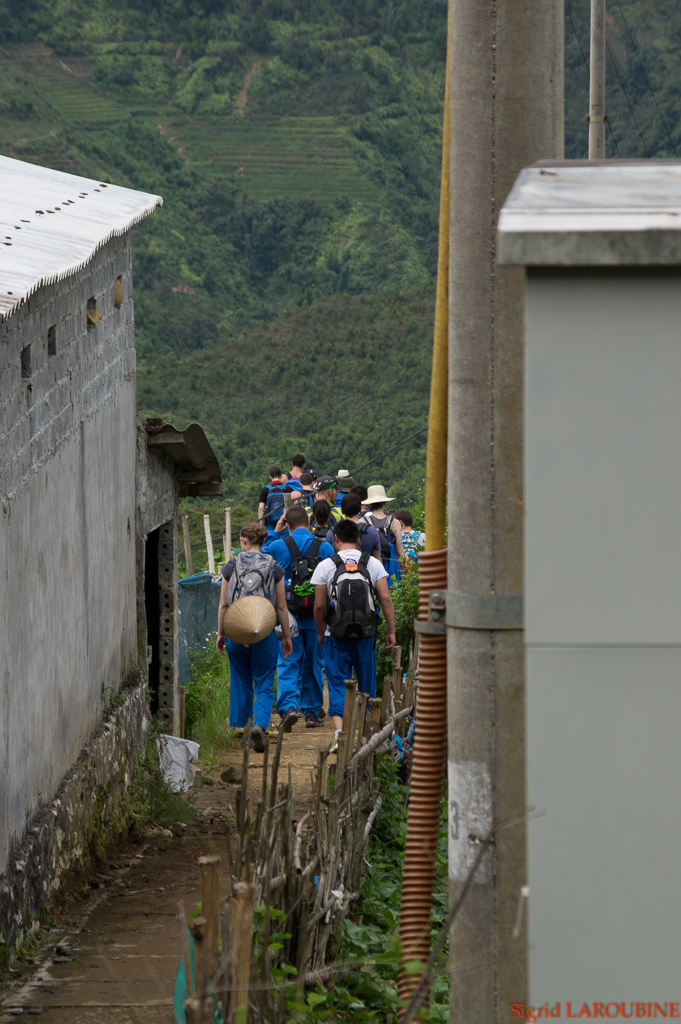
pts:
pixel 506 71
pixel 597 116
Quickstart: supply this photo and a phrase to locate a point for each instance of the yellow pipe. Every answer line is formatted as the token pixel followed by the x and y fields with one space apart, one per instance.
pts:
pixel 436 459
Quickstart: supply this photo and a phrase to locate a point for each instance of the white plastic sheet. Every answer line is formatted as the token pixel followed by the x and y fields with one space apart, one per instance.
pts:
pixel 178 758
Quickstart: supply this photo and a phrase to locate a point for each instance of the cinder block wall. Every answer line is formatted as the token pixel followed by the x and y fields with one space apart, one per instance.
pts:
pixel 67 527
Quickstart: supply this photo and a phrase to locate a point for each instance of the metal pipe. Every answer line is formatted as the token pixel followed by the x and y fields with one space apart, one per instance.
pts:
pixel 597 116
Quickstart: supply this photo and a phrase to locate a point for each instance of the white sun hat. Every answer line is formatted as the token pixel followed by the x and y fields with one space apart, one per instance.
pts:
pixel 341 474
pixel 376 495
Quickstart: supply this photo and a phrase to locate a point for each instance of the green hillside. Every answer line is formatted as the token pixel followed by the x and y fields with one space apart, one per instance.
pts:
pixel 340 381
pixel 297 148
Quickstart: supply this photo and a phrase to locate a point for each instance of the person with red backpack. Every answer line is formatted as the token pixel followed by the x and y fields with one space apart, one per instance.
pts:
pixel 300 682
pixel 346 589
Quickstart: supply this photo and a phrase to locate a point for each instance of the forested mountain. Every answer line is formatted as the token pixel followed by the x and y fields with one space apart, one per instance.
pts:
pixel 283 292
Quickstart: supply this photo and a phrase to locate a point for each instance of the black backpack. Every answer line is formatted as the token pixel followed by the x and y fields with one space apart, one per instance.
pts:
pixel 383 536
pixel 321 531
pixel 352 615
pixel 300 592
pixel 274 506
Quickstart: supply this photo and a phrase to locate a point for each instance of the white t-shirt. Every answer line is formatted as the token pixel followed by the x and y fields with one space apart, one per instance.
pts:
pixel 326 570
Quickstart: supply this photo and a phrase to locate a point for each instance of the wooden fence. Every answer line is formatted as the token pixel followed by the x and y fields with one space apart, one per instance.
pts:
pixel 297 874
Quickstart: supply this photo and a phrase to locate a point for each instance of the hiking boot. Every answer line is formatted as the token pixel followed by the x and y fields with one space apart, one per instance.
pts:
pixel 313 721
pixel 258 739
pixel 321 714
pixel 288 720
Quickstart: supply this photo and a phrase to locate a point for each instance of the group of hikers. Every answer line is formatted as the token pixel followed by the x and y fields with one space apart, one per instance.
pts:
pixel 325 552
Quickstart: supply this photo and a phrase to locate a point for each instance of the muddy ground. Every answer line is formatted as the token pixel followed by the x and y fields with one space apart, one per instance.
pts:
pixel 114 951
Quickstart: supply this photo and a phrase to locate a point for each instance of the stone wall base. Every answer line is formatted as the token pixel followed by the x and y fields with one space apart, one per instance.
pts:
pixel 84 817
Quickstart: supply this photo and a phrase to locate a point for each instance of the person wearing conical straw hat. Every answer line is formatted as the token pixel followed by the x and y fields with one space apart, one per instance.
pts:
pixel 252 589
pixel 389 529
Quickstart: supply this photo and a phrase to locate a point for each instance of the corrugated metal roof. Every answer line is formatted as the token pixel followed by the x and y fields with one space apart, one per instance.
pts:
pixel 191 452
pixel 52 223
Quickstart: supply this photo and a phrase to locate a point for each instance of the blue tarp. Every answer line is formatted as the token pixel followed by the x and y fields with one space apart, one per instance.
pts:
pixel 199 597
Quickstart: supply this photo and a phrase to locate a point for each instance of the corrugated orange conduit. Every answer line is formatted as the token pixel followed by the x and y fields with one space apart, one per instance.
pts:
pixel 426 779
pixel 428 773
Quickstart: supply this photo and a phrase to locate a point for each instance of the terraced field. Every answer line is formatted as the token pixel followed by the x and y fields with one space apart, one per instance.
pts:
pixel 291 156
pixel 63 87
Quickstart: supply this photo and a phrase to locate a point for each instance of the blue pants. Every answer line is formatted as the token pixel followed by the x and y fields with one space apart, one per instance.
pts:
pixel 341 656
pixel 300 683
pixel 252 668
pixel 393 568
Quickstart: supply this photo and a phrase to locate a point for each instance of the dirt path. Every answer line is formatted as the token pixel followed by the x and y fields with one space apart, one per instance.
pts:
pixel 242 96
pixel 119 947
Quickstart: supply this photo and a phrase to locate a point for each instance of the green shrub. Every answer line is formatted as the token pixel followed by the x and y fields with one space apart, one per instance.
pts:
pixel 405 597
pixel 207 702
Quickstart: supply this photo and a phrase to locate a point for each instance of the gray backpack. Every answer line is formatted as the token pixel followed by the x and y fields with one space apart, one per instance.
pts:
pixel 253 574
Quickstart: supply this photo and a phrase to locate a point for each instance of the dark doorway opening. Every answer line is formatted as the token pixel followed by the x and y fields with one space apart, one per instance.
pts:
pixel 151 603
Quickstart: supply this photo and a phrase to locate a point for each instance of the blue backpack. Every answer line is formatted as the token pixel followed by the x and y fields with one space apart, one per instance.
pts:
pixel 274 506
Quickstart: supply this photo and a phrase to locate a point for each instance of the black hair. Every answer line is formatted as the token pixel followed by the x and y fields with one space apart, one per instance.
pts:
pixel 274 472
pixel 350 505
pixel 346 531
pixel 298 460
pixel 296 516
pixel 406 518
pixel 306 479
pixel 321 511
pixel 360 491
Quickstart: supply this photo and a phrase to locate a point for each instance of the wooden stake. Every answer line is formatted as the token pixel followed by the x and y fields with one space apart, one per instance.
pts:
pixel 183 690
pixel 195 1012
pixel 187 546
pixel 210 908
pixel 228 534
pixel 361 718
pixel 197 932
pixel 397 677
pixel 385 704
pixel 227 952
pixel 209 545
pixel 349 715
pixel 242 940
pixel 186 956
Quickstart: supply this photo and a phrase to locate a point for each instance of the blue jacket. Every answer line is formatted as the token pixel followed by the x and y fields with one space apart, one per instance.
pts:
pixel 281 554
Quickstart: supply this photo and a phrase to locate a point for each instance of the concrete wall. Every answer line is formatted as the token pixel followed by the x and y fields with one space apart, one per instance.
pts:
pixel 603 629
pixel 67 529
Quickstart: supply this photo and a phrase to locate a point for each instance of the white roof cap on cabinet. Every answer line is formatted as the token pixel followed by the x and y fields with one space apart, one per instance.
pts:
pixel 52 223
pixel 593 213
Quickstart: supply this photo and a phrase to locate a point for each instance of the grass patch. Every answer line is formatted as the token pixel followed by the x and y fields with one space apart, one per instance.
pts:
pixel 151 802
pixel 207 703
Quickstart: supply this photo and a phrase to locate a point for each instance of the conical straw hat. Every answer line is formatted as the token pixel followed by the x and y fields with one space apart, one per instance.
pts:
pixel 249 619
